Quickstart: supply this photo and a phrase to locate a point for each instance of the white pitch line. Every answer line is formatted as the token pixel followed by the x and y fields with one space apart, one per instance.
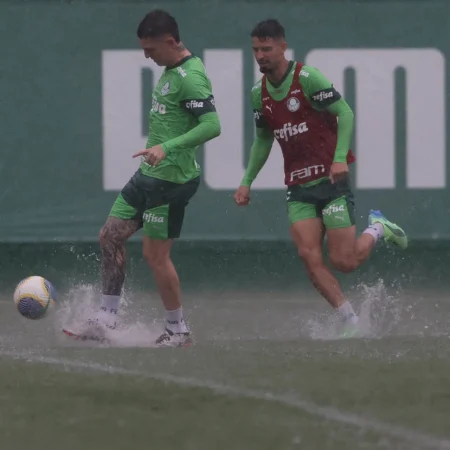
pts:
pixel 328 413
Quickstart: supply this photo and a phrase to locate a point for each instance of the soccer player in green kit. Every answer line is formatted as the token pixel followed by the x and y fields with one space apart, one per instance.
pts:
pixel 183 116
pixel 313 124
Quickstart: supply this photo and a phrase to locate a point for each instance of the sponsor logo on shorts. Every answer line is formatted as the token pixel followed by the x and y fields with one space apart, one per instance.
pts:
pixel 290 130
pixel 153 218
pixel 333 209
pixel 307 172
pixel 194 104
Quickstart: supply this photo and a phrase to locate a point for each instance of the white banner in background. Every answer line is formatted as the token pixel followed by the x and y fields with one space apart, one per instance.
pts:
pixel 375 106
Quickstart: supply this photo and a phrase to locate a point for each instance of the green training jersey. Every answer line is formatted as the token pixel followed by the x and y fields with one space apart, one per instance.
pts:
pixel 180 100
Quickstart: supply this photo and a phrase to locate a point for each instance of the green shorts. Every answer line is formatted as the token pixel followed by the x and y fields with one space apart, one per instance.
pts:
pixel 158 204
pixel 333 203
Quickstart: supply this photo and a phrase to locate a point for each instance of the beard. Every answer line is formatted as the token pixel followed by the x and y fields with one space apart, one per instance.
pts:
pixel 265 69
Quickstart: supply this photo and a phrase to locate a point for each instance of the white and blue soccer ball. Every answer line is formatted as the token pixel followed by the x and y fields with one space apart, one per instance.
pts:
pixel 34 296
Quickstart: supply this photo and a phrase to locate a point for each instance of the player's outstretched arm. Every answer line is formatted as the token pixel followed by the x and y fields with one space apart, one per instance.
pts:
pixel 322 95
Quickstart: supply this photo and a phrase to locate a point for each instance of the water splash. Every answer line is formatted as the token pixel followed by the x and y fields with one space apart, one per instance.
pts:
pixel 379 312
pixel 135 328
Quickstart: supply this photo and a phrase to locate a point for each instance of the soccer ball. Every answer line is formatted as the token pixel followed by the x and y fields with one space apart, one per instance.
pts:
pixel 33 296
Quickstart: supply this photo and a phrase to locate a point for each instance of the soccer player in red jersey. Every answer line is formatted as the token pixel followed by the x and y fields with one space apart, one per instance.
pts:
pixel 297 105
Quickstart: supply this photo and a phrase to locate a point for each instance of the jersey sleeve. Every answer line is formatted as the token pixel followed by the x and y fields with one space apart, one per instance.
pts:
pixel 196 97
pixel 258 115
pixel 208 128
pixel 262 145
pixel 321 93
pixel 196 94
pixel 317 88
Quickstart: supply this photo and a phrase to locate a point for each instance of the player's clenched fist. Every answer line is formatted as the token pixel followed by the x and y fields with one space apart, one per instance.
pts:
pixel 153 155
pixel 242 196
pixel 338 171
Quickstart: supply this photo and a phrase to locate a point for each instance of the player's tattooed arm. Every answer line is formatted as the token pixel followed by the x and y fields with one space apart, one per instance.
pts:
pixel 113 237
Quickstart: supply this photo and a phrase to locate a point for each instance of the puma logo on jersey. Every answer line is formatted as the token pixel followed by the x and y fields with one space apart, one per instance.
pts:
pixel 290 130
pixel 269 108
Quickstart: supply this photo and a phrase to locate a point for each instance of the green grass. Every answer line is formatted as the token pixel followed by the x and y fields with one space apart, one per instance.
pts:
pixel 255 380
pixel 215 397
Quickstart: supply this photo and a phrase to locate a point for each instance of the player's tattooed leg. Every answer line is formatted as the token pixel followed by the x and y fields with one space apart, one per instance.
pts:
pixel 113 237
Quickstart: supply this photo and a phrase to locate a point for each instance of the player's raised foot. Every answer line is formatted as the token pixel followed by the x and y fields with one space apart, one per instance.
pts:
pixel 171 339
pixel 391 231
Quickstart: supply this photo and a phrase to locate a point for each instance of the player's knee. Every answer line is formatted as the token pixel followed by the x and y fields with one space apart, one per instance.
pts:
pixel 107 236
pixel 311 256
pixel 104 236
pixel 343 262
pixel 156 258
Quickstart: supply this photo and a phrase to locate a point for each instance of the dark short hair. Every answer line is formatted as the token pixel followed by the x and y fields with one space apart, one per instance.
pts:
pixel 157 23
pixel 269 28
